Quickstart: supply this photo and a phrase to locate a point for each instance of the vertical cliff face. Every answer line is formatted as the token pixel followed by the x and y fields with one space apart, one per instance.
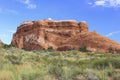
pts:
pixel 61 35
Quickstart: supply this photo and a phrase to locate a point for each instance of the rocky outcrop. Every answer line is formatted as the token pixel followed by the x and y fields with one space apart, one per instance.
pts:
pixel 1 43
pixel 61 35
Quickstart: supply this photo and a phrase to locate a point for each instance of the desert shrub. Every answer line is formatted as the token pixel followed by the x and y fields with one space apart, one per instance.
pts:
pixel 50 48
pixel 71 48
pixel 55 68
pixel 67 73
pixel 64 69
pixel 14 59
pixel 95 74
pixel 83 48
pixel 103 63
pixel 64 72
pixel 84 63
pixel 115 62
pixel 56 71
pixel 8 45
pixel 100 64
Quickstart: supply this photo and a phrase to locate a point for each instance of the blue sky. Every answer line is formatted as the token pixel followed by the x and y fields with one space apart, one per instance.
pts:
pixel 101 15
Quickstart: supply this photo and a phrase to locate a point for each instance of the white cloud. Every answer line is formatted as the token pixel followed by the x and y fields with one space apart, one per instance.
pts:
pixel 90 3
pixel 8 11
pixel 100 3
pixel 29 4
pixel 106 3
pixel 112 33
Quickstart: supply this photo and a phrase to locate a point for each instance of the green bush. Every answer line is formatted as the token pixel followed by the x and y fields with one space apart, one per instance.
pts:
pixel 50 48
pixel 83 49
pixel 8 45
pixel 56 70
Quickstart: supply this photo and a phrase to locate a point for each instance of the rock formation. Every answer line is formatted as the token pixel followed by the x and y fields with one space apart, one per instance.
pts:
pixel 61 35
pixel 1 43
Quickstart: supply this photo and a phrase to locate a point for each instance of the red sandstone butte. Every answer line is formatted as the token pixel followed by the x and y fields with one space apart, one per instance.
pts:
pixel 61 35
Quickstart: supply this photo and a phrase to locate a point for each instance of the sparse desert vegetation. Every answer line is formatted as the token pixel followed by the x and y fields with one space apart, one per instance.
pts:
pixel 17 64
